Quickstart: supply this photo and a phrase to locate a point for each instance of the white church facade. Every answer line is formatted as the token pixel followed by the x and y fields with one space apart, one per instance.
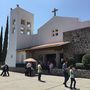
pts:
pixel 46 45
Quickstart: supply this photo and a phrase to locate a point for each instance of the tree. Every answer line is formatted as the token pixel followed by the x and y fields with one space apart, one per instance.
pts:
pixel 1 39
pixel 5 43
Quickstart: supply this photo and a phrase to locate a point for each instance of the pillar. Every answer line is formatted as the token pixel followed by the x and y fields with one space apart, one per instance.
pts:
pixel 44 58
pixel 57 59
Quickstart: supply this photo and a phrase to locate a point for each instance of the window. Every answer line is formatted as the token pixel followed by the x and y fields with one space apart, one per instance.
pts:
pixel 55 32
pixel 22 30
pixel 22 21
pixel 28 24
pixel 28 32
pixel 13 22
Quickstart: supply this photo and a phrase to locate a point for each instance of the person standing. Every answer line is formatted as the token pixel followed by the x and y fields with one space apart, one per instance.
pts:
pixel 50 66
pixel 28 69
pixel 72 77
pixel 39 71
pixel 65 73
pixel 5 70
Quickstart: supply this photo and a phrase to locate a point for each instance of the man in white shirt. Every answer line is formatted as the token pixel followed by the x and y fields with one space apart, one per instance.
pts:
pixel 39 71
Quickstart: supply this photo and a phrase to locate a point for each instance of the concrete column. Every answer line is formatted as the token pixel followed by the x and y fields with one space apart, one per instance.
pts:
pixel 44 58
pixel 57 59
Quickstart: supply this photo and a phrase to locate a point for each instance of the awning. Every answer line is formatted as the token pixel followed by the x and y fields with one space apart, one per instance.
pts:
pixel 45 46
pixel 49 45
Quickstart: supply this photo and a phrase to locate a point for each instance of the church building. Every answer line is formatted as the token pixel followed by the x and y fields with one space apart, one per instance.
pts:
pixel 57 39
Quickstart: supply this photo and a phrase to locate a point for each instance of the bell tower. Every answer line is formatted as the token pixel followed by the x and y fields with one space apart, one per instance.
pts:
pixel 21 29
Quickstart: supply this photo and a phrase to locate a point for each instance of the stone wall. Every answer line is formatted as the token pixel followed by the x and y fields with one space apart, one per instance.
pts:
pixel 79 73
pixel 79 42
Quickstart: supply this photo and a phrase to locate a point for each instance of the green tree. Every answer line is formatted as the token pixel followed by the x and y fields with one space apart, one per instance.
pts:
pixel 1 39
pixel 5 43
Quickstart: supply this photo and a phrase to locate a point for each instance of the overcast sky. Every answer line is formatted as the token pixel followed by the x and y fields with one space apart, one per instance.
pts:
pixel 42 9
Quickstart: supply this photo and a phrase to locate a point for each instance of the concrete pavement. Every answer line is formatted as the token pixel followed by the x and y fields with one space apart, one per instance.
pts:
pixel 18 81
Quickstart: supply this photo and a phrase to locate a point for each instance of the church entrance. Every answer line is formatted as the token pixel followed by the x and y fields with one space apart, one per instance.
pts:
pixel 50 58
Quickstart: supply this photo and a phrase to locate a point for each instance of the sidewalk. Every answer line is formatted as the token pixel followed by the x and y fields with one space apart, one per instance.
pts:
pixel 18 81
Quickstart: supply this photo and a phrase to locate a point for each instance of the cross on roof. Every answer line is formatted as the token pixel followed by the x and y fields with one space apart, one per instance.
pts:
pixel 54 11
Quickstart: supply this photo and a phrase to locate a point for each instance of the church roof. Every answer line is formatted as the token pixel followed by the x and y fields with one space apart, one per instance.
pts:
pixel 45 46
pixel 59 18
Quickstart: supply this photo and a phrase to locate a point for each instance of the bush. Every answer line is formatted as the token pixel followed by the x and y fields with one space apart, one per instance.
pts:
pixel 78 57
pixel 71 62
pixel 86 59
pixel 80 66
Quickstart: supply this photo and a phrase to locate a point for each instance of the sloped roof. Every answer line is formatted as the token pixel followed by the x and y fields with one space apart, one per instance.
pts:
pixel 46 46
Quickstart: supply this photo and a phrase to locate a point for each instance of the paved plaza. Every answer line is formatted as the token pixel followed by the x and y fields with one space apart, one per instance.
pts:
pixel 18 81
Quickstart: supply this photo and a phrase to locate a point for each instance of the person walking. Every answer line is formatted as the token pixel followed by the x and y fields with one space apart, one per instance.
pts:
pixel 39 71
pixel 5 70
pixel 65 73
pixel 72 77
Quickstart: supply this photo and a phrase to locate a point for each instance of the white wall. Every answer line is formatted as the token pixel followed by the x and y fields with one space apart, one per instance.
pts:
pixel 16 39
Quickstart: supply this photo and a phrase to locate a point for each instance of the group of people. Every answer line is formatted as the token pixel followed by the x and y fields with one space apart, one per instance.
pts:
pixel 5 70
pixel 69 72
pixel 28 69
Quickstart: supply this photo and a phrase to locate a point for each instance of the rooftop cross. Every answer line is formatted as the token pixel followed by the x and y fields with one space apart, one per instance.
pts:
pixel 54 11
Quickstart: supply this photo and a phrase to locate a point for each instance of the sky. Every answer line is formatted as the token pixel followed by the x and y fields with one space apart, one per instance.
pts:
pixel 42 9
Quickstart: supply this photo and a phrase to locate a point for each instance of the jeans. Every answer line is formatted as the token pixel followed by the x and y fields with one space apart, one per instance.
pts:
pixel 66 77
pixel 73 80
pixel 39 76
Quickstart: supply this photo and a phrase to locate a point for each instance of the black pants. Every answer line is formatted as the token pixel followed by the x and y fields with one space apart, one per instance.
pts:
pixel 39 76
pixel 3 73
pixel 66 77
pixel 7 72
pixel 28 72
pixel 73 80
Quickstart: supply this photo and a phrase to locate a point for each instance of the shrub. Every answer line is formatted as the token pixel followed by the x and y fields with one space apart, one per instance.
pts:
pixel 71 61
pixel 80 66
pixel 86 59
pixel 78 57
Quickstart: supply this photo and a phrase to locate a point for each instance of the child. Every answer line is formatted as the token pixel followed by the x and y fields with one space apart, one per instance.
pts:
pixel 72 76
